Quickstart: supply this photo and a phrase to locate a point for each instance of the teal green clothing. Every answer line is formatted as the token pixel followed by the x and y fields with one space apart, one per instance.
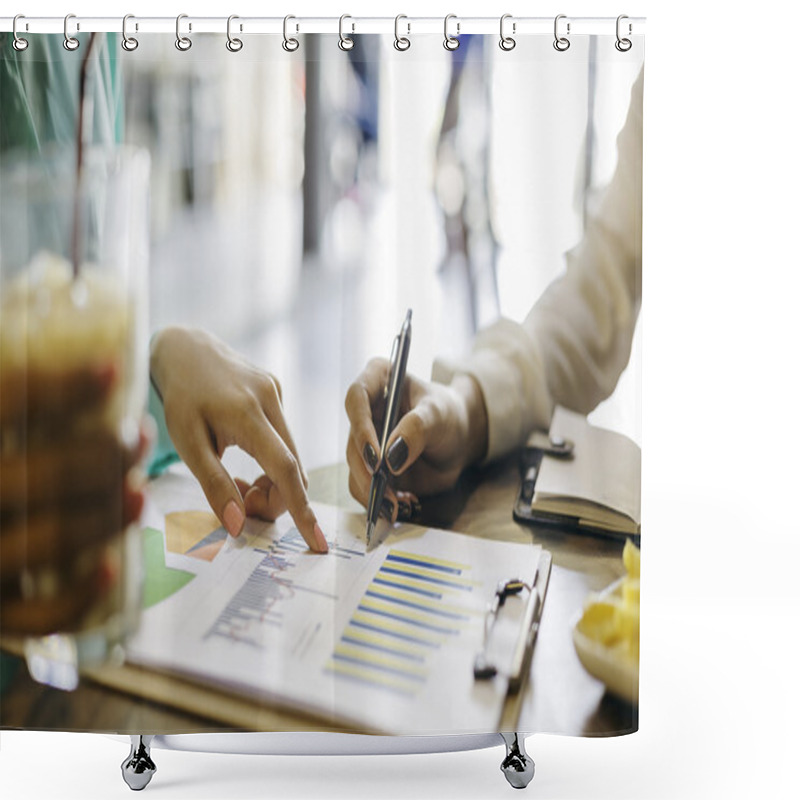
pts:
pixel 39 92
pixel 39 97
pixel 164 452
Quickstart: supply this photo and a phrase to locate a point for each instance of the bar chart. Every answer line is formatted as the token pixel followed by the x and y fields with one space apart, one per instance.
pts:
pixel 414 607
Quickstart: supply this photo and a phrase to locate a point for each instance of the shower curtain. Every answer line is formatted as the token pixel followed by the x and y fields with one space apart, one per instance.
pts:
pixel 302 191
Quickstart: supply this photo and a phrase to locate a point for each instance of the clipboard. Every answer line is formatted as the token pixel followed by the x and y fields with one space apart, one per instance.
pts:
pixel 538 446
pixel 520 663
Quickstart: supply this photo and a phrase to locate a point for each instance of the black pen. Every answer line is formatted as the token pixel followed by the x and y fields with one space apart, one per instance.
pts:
pixel 393 394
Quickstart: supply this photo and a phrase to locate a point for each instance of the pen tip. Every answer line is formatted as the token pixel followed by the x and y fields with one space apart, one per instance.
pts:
pixel 370 529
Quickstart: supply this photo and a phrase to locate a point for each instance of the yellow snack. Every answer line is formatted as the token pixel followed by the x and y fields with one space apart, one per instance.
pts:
pixel 626 621
pixel 630 591
pixel 612 619
pixel 631 558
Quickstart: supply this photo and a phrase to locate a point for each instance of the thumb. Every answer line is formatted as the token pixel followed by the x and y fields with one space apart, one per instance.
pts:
pixel 408 440
pixel 219 488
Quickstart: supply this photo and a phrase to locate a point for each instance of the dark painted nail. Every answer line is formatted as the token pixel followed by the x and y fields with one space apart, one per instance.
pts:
pixel 371 457
pixel 397 455
pixel 387 509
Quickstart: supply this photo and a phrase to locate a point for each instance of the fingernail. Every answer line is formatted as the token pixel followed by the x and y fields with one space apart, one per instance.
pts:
pixel 319 537
pixel 371 457
pixel 397 455
pixel 233 518
pixel 387 509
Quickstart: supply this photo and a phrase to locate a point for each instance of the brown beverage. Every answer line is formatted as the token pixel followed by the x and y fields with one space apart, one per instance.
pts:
pixel 72 377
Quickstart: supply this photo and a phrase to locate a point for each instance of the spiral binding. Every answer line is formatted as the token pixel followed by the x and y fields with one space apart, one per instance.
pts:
pixel 562 30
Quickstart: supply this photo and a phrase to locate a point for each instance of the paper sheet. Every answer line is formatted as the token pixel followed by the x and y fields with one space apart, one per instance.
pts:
pixel 381 641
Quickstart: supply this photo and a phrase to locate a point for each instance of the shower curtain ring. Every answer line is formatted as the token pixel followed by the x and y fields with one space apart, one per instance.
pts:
pixel 70 42
pixel 401 43
pixel 345 42
pixel 451 42
pixel 233 44
pixel 289 44
pixel 128 43
pixel 507 42
pixel 19 43
pixel 183 43
pixel 623 45
pixel 561 43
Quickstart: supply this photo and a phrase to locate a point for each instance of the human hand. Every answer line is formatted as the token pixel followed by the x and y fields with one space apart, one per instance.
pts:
pixel 214 398
pixel 442 430
pixel 66 491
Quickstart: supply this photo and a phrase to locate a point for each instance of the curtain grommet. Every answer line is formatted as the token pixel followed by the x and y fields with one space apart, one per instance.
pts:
pixel 128 43
pixel 70 42
pixel 401 43
pixel 623 44
pixel 19 43
pixel 507 43
pixel 183 43
pixel 234 45
pixel 561 43
pixel 289 44
pixel 451 42
pixel 345 42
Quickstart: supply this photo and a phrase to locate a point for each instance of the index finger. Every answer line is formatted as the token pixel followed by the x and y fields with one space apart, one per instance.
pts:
pixel 365 398
pixel 271 404
pixel 283 469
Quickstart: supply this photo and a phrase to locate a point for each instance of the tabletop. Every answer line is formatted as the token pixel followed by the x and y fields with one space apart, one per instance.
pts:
pixel 560 696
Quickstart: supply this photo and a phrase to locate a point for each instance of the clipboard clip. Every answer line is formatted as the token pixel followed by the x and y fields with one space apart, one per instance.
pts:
pixel 484 669
pixel 556 446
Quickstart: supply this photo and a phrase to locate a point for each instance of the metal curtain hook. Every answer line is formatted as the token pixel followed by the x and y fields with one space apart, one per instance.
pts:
pixel 19 43
pixel 70 42
pixel 183 43
pixel 451 42
pixel 401 43
pixel 129 43
pixel 233 44
pixel 289 44
pixel 507 42
pixel 345 42
pixel 561 43
pixel 623 45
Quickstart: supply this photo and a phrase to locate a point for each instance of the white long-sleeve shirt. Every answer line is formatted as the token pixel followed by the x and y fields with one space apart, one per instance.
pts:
pixel 576 340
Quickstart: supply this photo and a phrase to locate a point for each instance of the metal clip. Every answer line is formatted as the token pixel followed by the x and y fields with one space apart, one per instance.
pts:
pixel 290 44
pixel 623 44
pixel 401 43
pixel 507 42
pixel 19 43
pixel 345 42
pixel 483 669
pixel 561 43
pixel 70 42
pixel 451 42
pixel 183 43
pixel 128 43
pixel 233 44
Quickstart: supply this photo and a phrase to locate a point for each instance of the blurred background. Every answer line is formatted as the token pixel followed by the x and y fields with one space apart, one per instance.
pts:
pixel 302 201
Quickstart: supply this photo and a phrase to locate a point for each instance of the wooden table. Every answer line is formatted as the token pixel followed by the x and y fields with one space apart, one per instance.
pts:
pixel 561 697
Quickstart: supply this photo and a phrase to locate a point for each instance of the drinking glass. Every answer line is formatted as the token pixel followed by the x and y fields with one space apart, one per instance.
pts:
pixel 73 378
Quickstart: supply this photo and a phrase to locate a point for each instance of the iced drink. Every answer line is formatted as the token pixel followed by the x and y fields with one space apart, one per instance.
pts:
pixel 72 370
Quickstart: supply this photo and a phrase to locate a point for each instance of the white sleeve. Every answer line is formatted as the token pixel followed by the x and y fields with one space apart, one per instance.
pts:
pixel 576 340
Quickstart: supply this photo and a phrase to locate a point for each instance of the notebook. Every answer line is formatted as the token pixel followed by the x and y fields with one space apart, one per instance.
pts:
pixel 596 488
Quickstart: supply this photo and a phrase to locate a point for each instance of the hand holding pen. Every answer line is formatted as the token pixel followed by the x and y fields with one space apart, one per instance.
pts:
pixel 441 429
pixel 391 413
